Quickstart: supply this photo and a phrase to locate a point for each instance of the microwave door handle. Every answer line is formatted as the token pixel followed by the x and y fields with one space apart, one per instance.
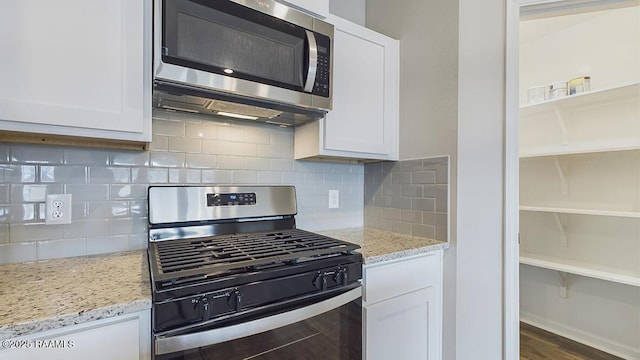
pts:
pixel 313 61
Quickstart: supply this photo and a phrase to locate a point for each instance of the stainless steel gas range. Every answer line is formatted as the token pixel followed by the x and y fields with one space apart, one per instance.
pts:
pixel 233 278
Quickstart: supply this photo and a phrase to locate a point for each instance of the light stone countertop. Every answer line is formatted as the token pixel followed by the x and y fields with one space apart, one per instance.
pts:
pixel 50 294
pixel 380 245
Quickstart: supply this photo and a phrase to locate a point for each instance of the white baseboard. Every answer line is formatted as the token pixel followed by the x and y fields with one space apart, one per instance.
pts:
pixel 597 342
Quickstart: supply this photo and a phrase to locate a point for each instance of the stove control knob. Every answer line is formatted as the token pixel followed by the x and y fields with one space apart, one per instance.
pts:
pixel 205 307
pixel 341 277
pixel 235 300
pixel 320 281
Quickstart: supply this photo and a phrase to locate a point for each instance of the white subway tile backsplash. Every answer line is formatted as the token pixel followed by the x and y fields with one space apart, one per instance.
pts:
pixel 257 135
pixel 64 174
pixel 51 249
pixel 424 204
pixel 149 176
pixel 129 158
pixel 200 161
pixel 201 131
pixel 109 188
pixel 4 233
pixel 217 176
pixel 89 192
pixel 4 193
pixel 271 151
pixel 184 176
pixel 128 226
pixel 17 174
pixel 231 162
pixel 4 153
pixel 21 232
pixel 245 177
pixel 128 192
pixel 159 143
pixel 35 154
pixel 18 252
pixel 85 228
pixel 424 177
pixel 167 159
pixel 231 133
pixel 107 209
pixel 86 157
pixel 22 213
pixel 168 128
pixel 33 193
pixel 270 177
pixel 177 144
pixel 109 175
pixel 257 163
pixel 107 244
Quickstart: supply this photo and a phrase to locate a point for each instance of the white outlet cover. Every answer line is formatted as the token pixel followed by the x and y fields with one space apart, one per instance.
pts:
pixel 334 199
pixel 58 209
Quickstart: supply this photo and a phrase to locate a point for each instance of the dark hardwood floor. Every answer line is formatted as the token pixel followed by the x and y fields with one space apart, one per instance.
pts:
pixel 537 344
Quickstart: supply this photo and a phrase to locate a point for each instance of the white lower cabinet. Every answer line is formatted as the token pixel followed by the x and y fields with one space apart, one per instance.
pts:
pixel 402 308
pixel 125 337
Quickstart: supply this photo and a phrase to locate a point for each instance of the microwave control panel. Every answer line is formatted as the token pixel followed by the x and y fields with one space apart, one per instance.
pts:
pixel 323 71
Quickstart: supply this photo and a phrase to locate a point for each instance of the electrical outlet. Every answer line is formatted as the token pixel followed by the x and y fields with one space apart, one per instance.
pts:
pixel 334 199
pixel 58 209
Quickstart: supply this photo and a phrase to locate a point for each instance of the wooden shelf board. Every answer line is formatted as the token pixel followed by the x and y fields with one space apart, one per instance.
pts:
pixel 583 99
pixel 580 268
pixel 629 214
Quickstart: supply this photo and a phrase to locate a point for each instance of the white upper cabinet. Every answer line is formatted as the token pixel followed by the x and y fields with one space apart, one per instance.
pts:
pixel 317 8
pixel 76 68
pixel 363 124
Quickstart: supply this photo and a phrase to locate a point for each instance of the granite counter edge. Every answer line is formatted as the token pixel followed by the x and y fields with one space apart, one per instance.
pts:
pixel 57 322
pixel 370 260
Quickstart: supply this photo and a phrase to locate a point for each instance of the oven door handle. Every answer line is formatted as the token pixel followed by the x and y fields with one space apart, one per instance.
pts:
pixel 170 344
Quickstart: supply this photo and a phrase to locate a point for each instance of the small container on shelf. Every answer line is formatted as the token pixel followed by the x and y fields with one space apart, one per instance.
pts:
pixel 557 90
pixel 536 94
pixel 579 85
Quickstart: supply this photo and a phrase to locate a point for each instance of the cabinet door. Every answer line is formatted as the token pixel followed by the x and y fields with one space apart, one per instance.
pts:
pixel 120 340
pixel 318 8
pixel 365 92
pixel 404 327
pixel 76 67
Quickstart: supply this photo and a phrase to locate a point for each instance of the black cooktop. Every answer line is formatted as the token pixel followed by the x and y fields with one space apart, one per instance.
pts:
pixel 179 260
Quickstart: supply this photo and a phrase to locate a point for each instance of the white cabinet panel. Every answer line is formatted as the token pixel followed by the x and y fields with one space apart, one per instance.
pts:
pixel 318 8
pixel 397 327
pixel 364 121
pixel 403 308
pixel 76 68
pixel 124 337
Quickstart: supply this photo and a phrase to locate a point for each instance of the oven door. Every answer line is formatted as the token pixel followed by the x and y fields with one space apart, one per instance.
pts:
pixel 229 47
pixel 322 329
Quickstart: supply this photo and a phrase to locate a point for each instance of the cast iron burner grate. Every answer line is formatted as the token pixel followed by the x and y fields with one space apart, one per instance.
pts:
pixel 218 254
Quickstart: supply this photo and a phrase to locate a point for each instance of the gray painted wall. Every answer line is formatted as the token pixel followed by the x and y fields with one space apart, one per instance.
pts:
pixel 452 103
pixel 353 10
pixel 428 34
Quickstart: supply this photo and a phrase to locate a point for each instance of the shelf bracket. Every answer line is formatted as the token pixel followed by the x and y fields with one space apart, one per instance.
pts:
pixel 561 221
pixel 563 283
pixel 561 168
pixel 563 127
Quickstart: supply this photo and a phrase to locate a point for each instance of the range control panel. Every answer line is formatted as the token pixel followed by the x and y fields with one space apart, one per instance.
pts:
pixel 231 199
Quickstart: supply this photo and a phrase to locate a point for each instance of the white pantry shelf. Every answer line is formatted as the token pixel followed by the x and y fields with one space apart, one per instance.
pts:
pixel 581 268
pixel 628 214
pixel 559 150
pixel 588 98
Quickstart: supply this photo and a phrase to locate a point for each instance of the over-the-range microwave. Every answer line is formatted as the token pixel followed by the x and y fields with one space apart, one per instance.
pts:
pixel 251 59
